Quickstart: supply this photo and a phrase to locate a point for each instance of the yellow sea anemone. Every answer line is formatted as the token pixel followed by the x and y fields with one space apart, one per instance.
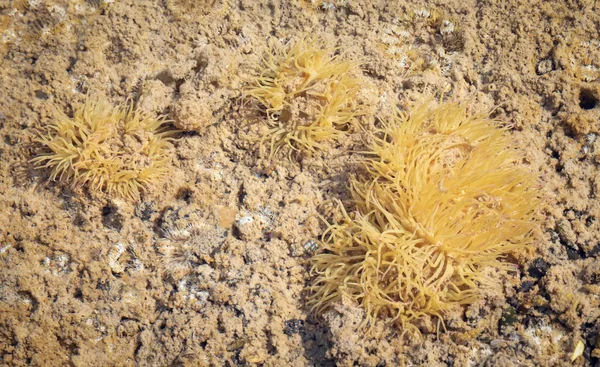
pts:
pixel 443 196
pixel 117 150
pixel 309 95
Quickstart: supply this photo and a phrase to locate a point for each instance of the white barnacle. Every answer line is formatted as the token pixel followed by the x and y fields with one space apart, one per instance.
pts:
pixel 447 27
pixel 57 12
pixel 245 220
pixel 327 5
pixel 311 246
pixel 33 3
pixel 422 13
pixel 113 258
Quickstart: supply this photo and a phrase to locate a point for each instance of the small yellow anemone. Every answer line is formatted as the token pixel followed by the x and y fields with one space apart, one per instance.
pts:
pixel 117 150
pixel 309 95
pixel 443 197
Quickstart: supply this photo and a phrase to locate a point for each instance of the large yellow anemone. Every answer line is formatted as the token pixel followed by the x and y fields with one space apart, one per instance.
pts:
pixel 443 196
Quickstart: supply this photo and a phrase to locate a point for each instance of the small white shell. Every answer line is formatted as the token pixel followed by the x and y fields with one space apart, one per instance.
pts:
pixel 113 258
pixel 244 221
pixel 311 246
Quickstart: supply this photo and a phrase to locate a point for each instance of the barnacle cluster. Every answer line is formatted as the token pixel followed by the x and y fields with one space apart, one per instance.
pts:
pixel 28 21
pixel 116 150
pixel 442 197
pixel 309 95
pixel 398 39
pixel 397 44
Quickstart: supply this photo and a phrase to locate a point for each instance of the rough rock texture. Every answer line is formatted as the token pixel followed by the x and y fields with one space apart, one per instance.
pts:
pixel 86 281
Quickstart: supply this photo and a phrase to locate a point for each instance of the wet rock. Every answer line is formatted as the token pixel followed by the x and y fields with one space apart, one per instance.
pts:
pixel 293 326
pixel 508 319
pixel 111 218
pixel 572 254
pixel 145 210
pixel 594 251
pixel 538 268
pixel 526 286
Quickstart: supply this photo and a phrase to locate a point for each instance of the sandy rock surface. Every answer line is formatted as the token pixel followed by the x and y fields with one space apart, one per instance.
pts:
pixel 210 267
